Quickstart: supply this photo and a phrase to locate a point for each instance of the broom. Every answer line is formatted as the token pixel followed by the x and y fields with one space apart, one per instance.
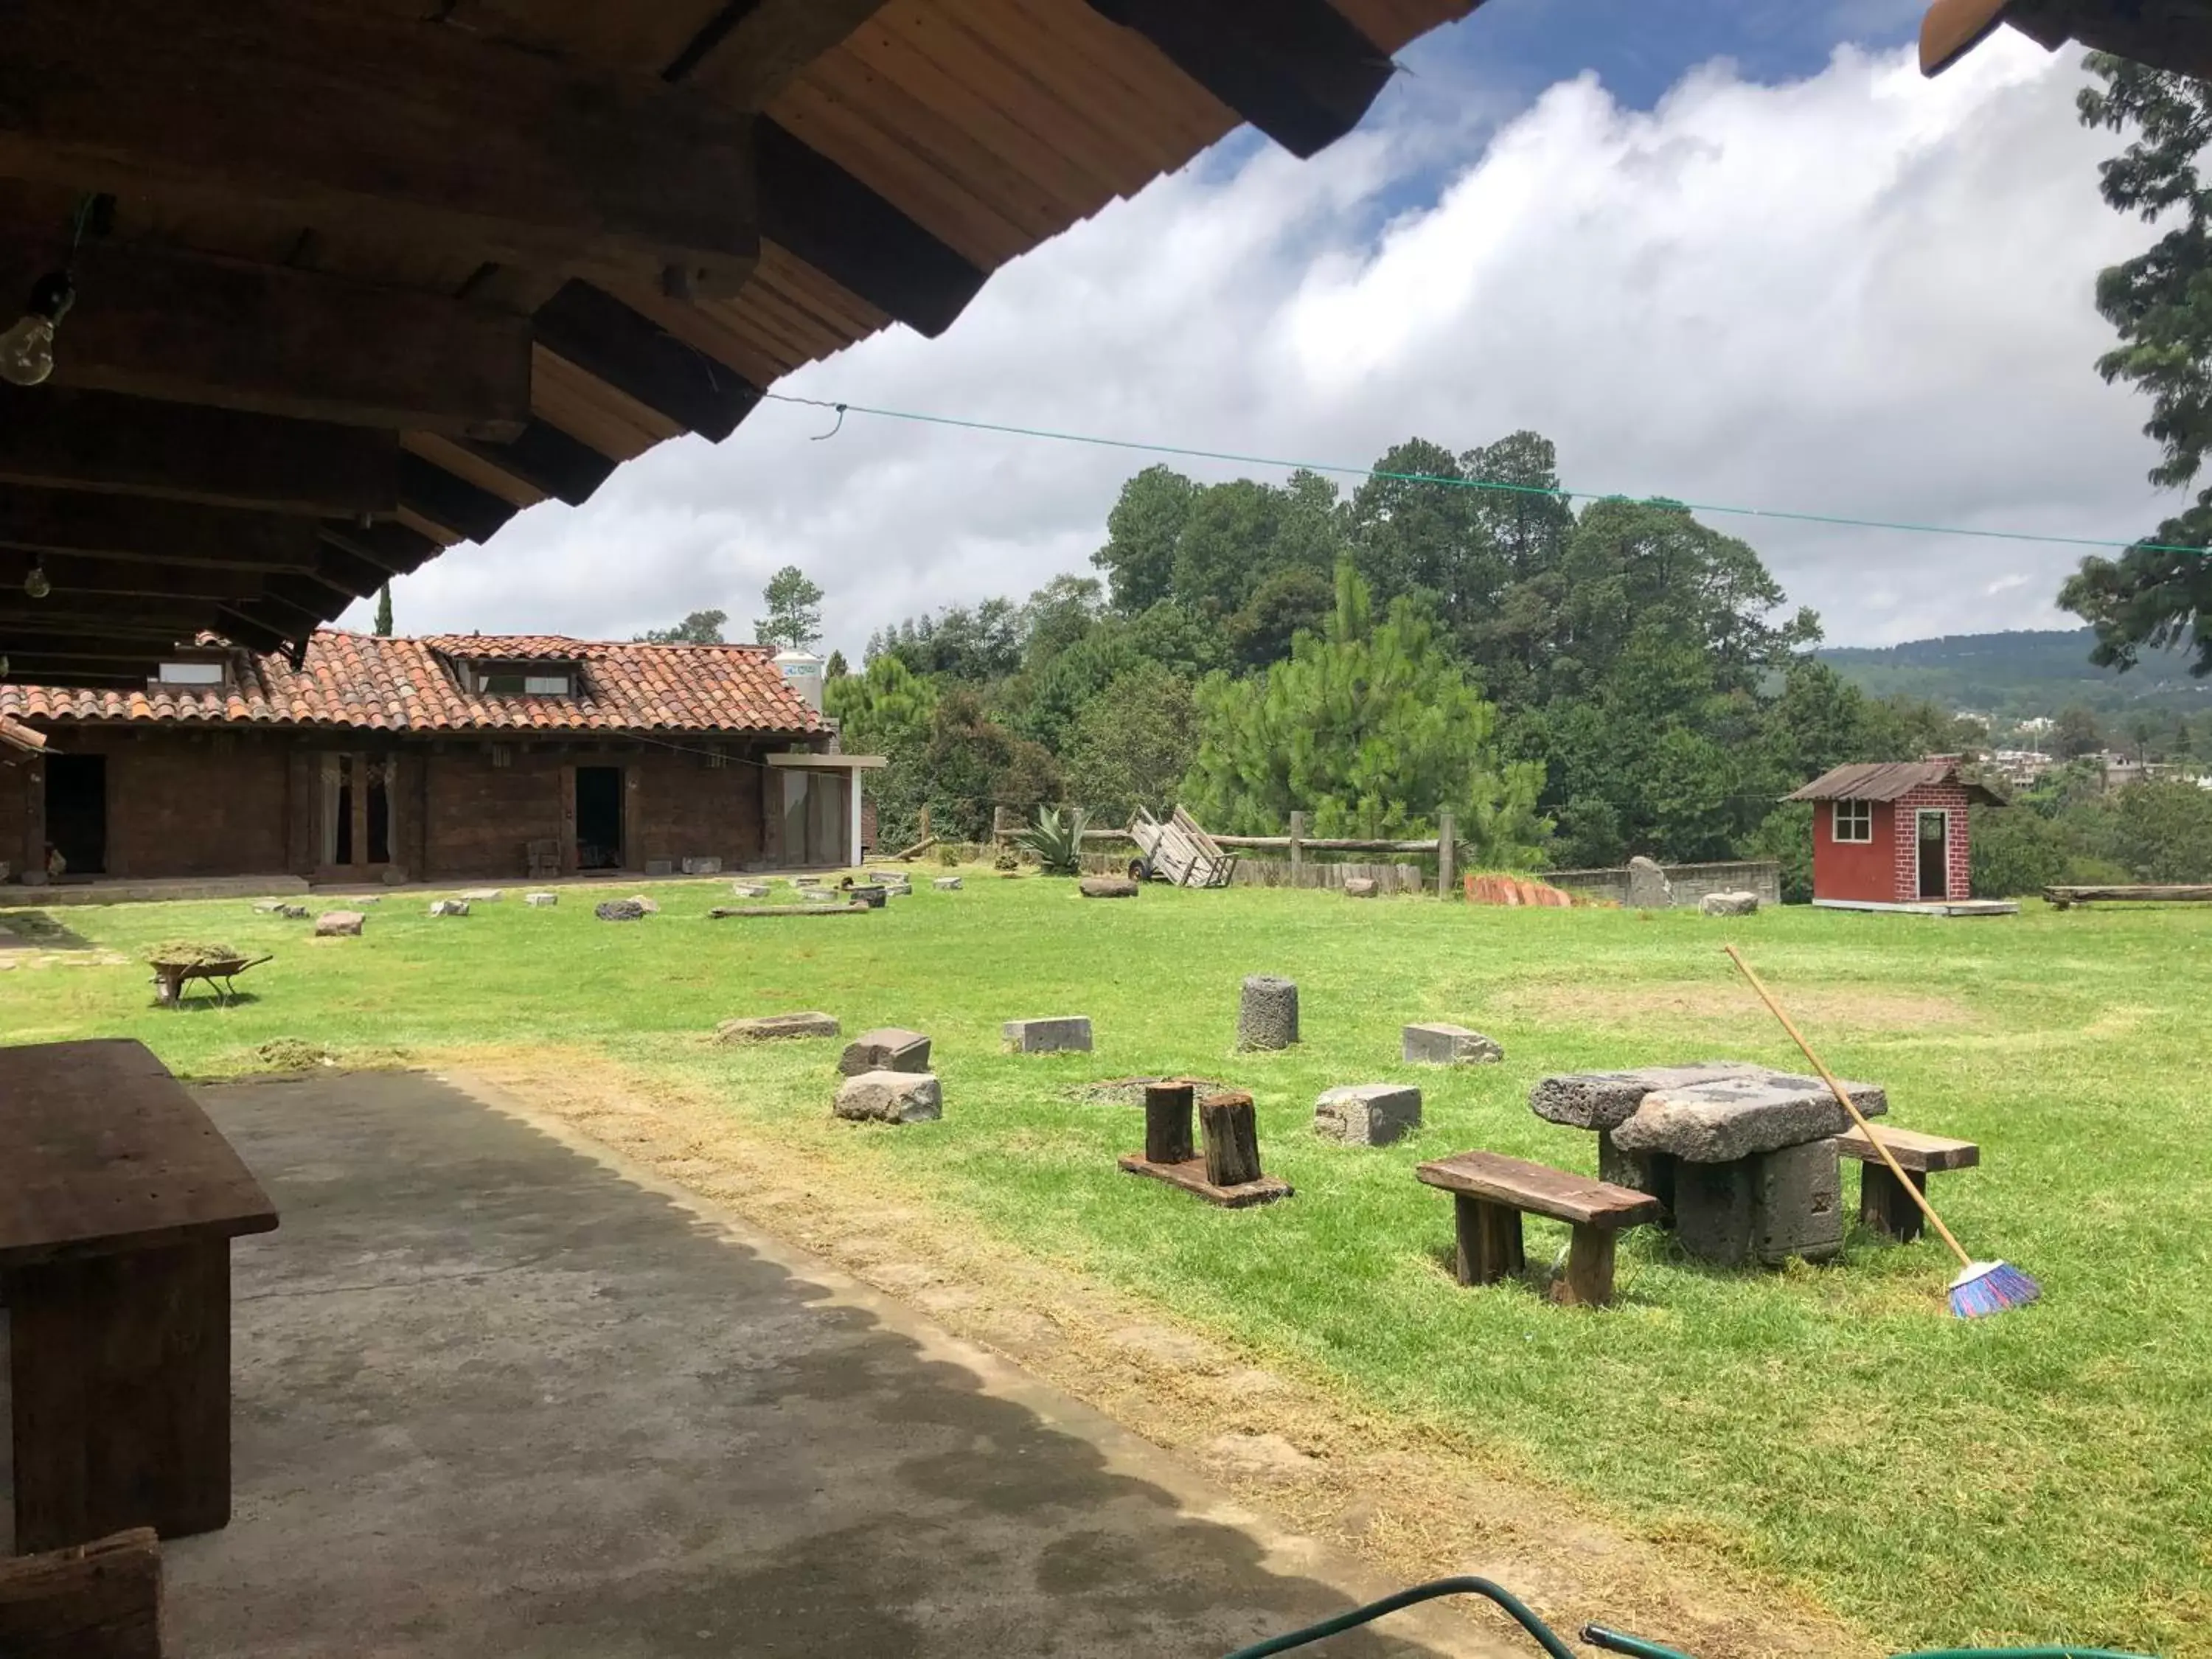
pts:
pixel 1982 1287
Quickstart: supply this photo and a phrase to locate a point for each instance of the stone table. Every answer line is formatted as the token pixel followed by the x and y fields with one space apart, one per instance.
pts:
pixel 1743 1158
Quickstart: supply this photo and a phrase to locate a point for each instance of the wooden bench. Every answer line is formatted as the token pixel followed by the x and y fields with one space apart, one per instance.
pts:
pixel 1492 1192
pixel 2063 898
pixel 1883 1205
pixel 118 1200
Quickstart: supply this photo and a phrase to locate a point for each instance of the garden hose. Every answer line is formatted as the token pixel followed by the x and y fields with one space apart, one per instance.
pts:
pixel 1596 1635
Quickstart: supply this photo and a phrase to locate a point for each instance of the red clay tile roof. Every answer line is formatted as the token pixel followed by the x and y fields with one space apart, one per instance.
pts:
pixel 13 736
pixel 1891 780
pixel 365 682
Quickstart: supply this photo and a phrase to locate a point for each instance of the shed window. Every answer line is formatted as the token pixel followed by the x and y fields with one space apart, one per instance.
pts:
pixel 1853 820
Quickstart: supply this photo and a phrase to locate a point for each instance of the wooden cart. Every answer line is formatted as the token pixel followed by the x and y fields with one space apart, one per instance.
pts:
pixel 1177 851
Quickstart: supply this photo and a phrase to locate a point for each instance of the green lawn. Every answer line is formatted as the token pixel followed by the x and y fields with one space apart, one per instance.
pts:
pixel 2045 1475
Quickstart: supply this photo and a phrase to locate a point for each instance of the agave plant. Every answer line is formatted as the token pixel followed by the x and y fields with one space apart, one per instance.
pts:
pixel 1056 838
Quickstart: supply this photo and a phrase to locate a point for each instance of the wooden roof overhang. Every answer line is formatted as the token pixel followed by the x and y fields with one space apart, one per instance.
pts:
pixel 2171 34
pixel 356 282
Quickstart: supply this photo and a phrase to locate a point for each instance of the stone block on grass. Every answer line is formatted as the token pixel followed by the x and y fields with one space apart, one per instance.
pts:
pixel 1797 1203
pixel 775 1028
pixel 946 883
pixel 340 924
pixel 1067 1035
pixel 1728 904
pixel 1359 887
pixel 646 906
pixel 869 893
pixel 702 866
pixel 1268 1015
pixel 484 895
pixel 886 1048
pixel 1368 1114
pixel 451 907
pixel 750 889
pixel 1648 886
pixel 1107 887
pixel 270 905
pixel 541 900
pixel 1439 1044
pixel 890 1097
pixel 619 911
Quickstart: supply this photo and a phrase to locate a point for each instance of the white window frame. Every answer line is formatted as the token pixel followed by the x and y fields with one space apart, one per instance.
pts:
pixel 193 673
pixel 1855 831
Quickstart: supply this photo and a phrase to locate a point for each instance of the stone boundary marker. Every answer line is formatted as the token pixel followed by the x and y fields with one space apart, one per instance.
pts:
pixel 1368 1114
pixel 946 883
pixel 340 924
pixel 541 900
pixel 890 1097
pixel 886 1048
pixel 1267 1016
pixel 1439 1044
pixel 451 907
pixel 773 1028
pixel 1107 887
pixel 1070 1034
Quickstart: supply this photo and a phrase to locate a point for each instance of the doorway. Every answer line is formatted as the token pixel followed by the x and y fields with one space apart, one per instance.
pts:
pixel 1935 854
pixel 76 811
pixel 599 817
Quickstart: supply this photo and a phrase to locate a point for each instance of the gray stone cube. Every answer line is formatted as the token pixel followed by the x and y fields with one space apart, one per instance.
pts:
pixel 660 866
pixel 946 883
pixel 1604 1099
pixel 1359 887
pixel 1713 1211
pixel 1067 1034
pixel 541 900
pixel 1728 904
pixel 1368 1114
pixel 886 1048
pixel 1267 1013
pixel 1797 1203
pixel 451 907
pixel 772 1028
pixel 890 1097
pixel 1438 1044
pixel 1641 1172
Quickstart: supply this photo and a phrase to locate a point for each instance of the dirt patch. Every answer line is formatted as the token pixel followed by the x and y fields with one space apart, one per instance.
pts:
pixel 1717 1004
pixel 1419 1500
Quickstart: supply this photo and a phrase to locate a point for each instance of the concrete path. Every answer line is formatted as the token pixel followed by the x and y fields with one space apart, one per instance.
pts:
pixel 496 1398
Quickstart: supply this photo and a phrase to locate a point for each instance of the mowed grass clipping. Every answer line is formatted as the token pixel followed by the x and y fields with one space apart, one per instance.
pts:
pixel 2045 1475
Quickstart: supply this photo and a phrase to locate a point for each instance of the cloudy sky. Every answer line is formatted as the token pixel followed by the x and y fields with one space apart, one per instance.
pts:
pixel 1737 253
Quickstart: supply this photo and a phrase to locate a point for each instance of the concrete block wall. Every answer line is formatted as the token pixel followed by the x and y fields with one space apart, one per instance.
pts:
pixel 1690 882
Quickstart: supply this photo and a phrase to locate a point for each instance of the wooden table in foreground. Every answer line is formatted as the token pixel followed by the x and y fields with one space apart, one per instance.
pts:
pixel 119 1200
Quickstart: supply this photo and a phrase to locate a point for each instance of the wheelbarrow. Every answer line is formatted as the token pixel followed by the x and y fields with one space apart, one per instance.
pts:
pixel 1597 1636
pixel 170 978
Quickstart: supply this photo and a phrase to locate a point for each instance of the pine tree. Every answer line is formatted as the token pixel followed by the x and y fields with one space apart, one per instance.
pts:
pixel 383 610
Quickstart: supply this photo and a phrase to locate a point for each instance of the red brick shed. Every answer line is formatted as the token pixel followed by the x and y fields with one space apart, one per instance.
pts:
pixel 1892 833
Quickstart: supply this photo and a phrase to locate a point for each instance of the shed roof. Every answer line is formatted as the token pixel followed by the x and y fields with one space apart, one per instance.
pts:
pixel 370 278
pixel 1892 781
pixel 367 683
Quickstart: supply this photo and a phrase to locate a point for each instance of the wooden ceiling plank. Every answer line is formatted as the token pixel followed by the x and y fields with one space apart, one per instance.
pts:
pixel 134 527
pixel 450 502
pixel 824 215
pixel 637 357
pixel 591 411
pixel 457 457
pixel 251 625
pixel 1019 68
pixel 752 49
pixel 121 578
pixel 549 461
pixel 1300 70
pixel 156 322
pixel 105 441
pixel 1087 61
pixel 425 129
pixel 391 546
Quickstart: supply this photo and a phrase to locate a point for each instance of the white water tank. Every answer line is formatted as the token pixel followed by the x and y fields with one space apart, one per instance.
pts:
pixel 802 672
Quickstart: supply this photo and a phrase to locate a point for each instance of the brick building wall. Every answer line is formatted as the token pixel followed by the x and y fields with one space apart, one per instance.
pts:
pixel 1950 798
pixel 1862 870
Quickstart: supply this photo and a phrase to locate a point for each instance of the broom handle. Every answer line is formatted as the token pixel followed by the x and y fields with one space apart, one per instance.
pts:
pixel 1843 1098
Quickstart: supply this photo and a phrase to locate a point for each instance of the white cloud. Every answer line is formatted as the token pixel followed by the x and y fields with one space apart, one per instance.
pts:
pixel 1861 295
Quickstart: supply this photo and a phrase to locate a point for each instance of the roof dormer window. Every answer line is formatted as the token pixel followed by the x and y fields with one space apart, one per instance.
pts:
pixel 537 679
pixel 190 677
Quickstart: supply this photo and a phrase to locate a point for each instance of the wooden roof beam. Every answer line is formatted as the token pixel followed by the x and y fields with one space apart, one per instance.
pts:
pixel 340 114
pixel 129 674
pixel 818 211
pixel 1300 70
pixel 437 497
pixel 117 579
pixel 156 322
pixel 102 440
pixel 549 460
pixel 750 50
pixel 165 533
pixel 636 356
pixel 387 545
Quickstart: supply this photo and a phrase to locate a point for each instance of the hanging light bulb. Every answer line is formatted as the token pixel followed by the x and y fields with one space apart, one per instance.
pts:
pixel 35 583
pixel 26 351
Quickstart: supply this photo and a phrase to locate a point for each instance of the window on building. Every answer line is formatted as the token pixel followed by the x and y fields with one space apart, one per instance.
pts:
pixel 1853 820
pixel 525 682
pixel 193 673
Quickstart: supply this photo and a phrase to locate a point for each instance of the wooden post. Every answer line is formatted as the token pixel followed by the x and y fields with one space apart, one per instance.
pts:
pixel 1167 1123
pixel 1232 1138
pixel 1885 1207
pixel 358 803
pixel 1445 855
pixel 1298 847
pixel 1589 1281
pixel 1489 1240
pixel 35 820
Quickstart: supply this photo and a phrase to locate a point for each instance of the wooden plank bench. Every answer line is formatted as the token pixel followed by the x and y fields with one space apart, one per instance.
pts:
pixel 118 1200
pixel 1883 1205
pixel 1491 1192
pixel 2063 898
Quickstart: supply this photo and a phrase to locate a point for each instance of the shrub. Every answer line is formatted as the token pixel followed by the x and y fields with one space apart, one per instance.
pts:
pixel 1056 838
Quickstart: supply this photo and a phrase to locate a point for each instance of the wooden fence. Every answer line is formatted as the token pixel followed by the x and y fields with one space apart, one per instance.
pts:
pixel 1297 868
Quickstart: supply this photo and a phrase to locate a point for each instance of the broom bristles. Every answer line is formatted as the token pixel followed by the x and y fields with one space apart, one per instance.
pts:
pixel 1990 1287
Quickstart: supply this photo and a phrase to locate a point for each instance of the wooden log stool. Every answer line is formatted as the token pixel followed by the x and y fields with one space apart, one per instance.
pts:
pixel 1884 1206
pixel 1492 1192
pixel 1228 1174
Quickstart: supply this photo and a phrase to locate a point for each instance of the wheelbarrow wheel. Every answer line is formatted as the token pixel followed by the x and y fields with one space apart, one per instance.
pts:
pixel 1139 870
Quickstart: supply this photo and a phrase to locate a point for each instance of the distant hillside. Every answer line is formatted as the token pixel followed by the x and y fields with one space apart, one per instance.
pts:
pixel 2019 674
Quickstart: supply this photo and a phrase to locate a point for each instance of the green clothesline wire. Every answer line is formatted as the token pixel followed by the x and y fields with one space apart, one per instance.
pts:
pixel 1551 492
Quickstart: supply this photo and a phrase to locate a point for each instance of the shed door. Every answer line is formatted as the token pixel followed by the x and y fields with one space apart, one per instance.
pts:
pixel 1934 854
